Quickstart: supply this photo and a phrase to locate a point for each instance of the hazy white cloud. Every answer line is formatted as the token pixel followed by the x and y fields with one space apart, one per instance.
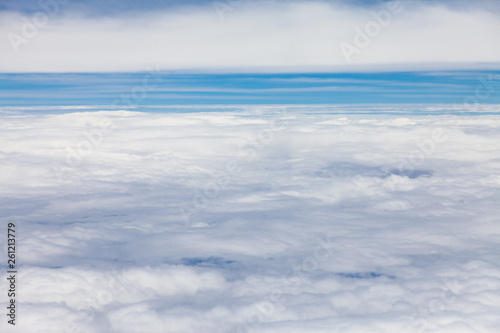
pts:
pixel 255 36
pixel 300 220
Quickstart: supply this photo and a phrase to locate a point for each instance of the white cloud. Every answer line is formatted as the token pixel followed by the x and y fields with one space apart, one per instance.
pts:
pixel 263 36
pixel 318 226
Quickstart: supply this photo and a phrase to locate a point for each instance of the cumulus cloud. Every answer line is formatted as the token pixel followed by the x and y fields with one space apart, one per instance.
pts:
pixel 269 218
pixel 253 36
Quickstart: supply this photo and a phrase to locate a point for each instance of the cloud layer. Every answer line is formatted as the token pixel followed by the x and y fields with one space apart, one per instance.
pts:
pixel 269 218
pixel 253 36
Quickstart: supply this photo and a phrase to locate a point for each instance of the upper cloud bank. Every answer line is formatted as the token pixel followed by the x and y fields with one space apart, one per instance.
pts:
pixel 249 36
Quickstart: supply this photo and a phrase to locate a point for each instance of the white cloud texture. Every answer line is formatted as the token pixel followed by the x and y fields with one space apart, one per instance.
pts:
pixel 270 219
pixel 253 36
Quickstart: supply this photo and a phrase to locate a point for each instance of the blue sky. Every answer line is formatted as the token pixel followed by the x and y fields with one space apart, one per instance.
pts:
pixel 296 88
pixel 256 52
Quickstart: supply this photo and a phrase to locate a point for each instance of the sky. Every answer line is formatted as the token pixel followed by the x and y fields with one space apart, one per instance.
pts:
pixel 127 90
pixel 248 52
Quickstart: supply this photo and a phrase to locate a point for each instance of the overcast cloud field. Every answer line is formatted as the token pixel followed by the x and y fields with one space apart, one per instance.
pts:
pixel 268 219
pixel 249 166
